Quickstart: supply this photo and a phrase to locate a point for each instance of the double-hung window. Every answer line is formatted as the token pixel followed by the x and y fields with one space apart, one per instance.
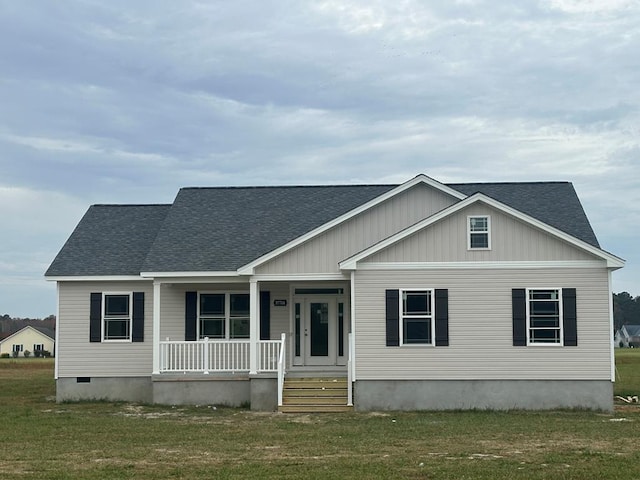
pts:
pixel 544 316
pixel 416 317
pixel 479 233
pixel 116 318
pixel 223 315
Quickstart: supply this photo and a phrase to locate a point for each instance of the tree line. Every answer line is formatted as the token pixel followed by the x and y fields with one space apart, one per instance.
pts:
pixel 9 325
pixel 626 310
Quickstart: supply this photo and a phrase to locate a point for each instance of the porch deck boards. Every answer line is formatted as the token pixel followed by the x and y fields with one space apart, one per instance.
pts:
pixel 316 394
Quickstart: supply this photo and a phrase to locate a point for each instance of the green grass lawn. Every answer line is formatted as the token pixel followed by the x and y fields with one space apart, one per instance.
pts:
pixel 627 371
pixel 100 440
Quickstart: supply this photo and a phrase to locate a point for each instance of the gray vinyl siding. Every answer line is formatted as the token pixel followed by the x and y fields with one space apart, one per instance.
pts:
pixel 480 327
pixel 280 316
pixel 323 253
pixel 511 240
pixel 77 357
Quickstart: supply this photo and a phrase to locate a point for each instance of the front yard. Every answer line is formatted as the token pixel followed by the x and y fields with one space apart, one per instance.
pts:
pixel 42 439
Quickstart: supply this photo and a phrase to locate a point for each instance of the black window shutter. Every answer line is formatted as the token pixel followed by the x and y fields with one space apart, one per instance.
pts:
pixel 265 315
pixel 519 308
pixel 137 330
pixel 442 317
pixel 190 315
pixel 95 318
pixel 569 317
pixel 393 317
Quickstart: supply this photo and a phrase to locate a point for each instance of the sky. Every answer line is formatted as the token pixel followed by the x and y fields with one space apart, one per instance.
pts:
pixel 126 102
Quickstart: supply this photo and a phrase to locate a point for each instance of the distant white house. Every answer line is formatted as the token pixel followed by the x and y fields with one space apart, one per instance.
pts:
pixel 29 339
pixel 628 336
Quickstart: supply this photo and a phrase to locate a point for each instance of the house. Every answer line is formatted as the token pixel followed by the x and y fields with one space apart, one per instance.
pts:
pixel 422 295
pixel 628 336
pixel 31 339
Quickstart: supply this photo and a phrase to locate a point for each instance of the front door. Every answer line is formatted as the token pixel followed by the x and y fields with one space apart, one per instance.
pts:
pixel 319 327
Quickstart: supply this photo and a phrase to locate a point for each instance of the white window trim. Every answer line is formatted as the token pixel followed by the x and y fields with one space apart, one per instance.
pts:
pixel 103 315
pixel 488 232
pixel 227 313
pixel 560 320
pixel 431 291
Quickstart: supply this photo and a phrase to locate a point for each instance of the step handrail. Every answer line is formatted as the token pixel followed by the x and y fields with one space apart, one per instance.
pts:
pixel 350 373
pixel 281 368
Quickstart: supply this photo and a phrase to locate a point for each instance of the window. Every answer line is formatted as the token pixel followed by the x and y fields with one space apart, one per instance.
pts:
pixel 416 317
pixel 239 315
pixel 38 347
pixel 18 348
pixel 223 315
pixel 544 316
pixel 117 316
pixel 479 233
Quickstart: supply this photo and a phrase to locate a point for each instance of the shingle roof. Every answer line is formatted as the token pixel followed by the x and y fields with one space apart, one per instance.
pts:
pixel 222 229
pixel 49 332
pixel 110 240
pixel 632 330
pixel 554 203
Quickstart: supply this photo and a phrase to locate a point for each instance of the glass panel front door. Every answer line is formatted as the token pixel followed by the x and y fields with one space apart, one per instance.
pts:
pixel 319 331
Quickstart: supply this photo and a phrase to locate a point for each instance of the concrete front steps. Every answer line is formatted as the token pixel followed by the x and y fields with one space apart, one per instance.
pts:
pixel 317 394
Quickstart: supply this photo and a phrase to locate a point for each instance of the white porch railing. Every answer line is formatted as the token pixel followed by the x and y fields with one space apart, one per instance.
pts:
pixel 281 368
pixel 205 356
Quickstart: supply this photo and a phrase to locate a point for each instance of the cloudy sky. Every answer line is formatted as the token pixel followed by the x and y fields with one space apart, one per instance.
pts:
pixel 125 102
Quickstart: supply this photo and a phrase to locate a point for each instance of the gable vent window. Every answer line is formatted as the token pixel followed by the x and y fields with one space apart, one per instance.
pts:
pixel 479 229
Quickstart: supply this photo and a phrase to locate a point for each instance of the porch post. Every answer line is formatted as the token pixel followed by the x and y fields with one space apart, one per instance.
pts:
pixel 352 344
pixel 156 326
pixel 254 327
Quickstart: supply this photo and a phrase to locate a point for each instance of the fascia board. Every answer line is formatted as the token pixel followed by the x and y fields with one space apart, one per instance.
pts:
pixel 248 269
pixel 612 261
pixel 94 278
pixel 150 275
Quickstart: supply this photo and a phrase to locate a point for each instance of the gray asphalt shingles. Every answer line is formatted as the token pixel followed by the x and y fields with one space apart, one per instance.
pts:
pixel 222 229
pixel 110 240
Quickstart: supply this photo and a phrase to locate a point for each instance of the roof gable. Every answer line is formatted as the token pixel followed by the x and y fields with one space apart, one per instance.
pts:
pixel 351 263
pixel 554 203
pixel 632 330
pixel 38 330
pixel 392 192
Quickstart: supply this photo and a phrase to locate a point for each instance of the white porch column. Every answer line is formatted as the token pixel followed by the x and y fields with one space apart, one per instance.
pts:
pixel 254 327
pixel 352 344
pixel 156 326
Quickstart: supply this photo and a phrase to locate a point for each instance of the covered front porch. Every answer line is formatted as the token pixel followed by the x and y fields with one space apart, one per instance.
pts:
pixel 287 329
